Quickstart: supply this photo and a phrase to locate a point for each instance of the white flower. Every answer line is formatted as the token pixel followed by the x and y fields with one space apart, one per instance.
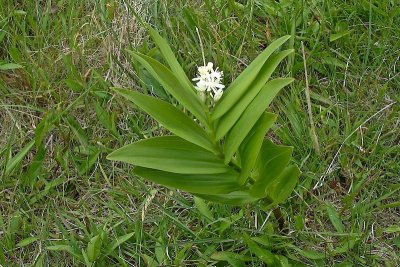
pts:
pixel 218 95
pixel 209 80
pixel 202 96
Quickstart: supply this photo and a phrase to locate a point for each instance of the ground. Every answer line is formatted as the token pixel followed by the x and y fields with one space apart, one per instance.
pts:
pixel 59 120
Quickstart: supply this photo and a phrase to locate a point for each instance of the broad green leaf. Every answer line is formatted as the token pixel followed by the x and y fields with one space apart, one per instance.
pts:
pixel 159 251
pixel 226 122
pixel 182 254
pixel 203 208
pixel 78 131
pixel 60 248
pixel 27 241
pixel 334 217
pixel 309 254
pixel 242 82
pixel 149 261
pixel 94 248
pixel 392 229
pixel 75 85
pixel 184 94
pixel 251 146
pixel 107 119
pixel 252 113
pixel 283 186
pixel 45 125
pixel 170 154
pixel 120 240
pixel 76 253
pixel 234 259
pixel 10 66
pixel 345 246
pixel 271 162
pixel 12 163
pixel 85 162
pixel 170 117
pixel 338 35
pixel 265 255
pixel 218 183
pixel 169 56
pixel 233 198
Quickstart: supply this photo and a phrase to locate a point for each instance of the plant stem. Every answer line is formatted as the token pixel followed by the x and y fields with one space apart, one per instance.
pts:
pixel 279 216
pixel 211 133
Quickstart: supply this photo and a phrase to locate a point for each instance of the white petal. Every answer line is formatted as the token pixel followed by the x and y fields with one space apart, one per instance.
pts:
pixel 202 96
pixel 201 86
pixel 218 95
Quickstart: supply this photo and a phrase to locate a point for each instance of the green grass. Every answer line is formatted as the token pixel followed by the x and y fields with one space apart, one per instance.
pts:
pixel 59 120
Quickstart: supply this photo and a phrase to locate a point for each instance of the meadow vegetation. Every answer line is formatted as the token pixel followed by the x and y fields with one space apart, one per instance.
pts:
pixel 62 203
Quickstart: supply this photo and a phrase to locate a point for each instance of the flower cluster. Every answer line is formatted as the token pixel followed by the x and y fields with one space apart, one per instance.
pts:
pixel 209 80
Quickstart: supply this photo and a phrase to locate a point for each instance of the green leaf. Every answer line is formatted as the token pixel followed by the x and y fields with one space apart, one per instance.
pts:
pixel 12 163
pixel 67 248
pixel 78 131
pixel 94 248
pixel 251 146
pixel 392 229
pixel 60 248
pixel 193 183
pixel 310 254
pixel 169 56
pixel 159 251
pixel 234 259
pixel 170 117
pixel 338 35
pixel 182 254
pixel 271 162
pixel 170 154
pixel 226 122
pixel 45 125
pixel 10 66
pixel 265 255
pixel 251 115
pixel 120 240
pixel 243 81
pixel 35 167
pixel 107 119
pixel 149 261
pixel 283 186
pixel 334 217
pixel 238 198
pixel 203 209
pixel 27 241
pixel 184 94
pixel 75 85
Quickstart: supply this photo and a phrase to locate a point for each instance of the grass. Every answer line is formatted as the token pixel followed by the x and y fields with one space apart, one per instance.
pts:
pixel 60 197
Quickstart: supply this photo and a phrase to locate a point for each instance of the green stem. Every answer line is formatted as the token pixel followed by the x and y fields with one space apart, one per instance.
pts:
pixel 211 133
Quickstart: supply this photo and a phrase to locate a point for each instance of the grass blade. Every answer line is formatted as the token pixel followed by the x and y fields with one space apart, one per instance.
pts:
pixel 12 163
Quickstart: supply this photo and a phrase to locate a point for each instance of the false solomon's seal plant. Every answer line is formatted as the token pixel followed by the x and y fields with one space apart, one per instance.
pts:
pixel 218 149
